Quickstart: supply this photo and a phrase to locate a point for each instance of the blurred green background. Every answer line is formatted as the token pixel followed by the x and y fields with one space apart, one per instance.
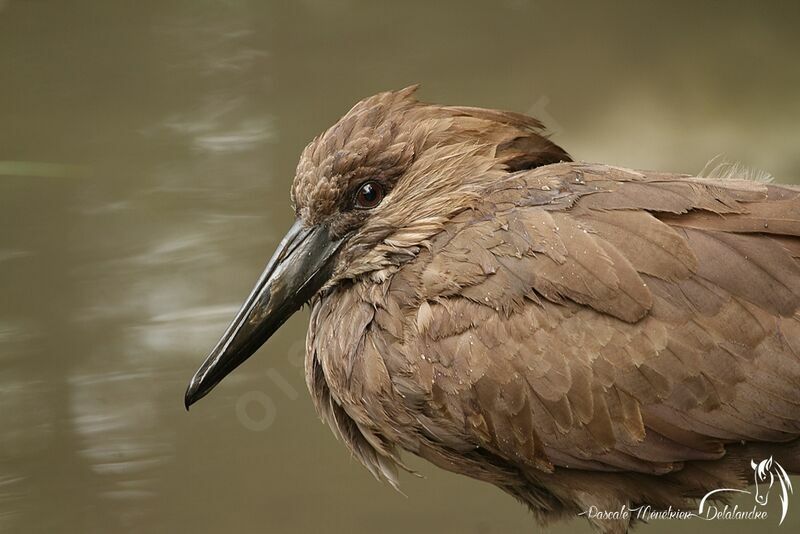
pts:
pixel 146 152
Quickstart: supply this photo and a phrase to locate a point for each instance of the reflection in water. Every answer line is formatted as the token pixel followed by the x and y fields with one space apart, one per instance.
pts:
pixel 6 255
pixel 9 496
pixel 14 333
pixel 168 331
pixel 120 440
pixel 177 126
pixel 216 128
pixel 220 49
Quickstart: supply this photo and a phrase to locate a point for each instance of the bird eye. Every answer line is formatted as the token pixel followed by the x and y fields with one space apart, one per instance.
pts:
pixel 369 195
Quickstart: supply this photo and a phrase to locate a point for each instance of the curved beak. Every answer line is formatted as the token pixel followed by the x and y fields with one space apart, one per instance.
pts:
pixel 300 266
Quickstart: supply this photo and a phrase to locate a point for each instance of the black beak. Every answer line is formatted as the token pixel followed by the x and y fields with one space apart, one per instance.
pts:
pixel 298 269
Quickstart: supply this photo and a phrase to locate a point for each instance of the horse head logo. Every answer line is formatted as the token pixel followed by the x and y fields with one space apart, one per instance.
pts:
pixel 765 474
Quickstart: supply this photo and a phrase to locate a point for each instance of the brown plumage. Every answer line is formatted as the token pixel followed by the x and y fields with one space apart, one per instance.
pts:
pixel 575 334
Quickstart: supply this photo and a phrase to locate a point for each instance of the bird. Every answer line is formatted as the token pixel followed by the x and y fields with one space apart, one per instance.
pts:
pixel 580 335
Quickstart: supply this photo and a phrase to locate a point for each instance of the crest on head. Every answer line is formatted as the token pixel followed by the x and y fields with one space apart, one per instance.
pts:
pixel 425 161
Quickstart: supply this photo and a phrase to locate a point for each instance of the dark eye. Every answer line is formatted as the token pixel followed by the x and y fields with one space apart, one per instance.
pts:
pixel 369 195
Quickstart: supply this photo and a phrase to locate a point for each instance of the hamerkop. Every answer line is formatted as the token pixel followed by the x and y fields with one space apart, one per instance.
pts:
pixel 576 334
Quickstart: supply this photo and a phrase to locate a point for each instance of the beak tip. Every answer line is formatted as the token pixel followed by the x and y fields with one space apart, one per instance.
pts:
pixel 299 267
pixel 191 396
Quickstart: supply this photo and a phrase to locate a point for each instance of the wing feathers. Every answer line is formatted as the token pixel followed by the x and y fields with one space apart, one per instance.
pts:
pixel 609 320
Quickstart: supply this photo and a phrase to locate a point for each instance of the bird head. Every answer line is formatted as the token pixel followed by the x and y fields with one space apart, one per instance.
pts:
pixel 368 194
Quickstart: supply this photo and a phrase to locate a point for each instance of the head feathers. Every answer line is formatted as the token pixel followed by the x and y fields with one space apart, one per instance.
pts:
pixel 432 160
